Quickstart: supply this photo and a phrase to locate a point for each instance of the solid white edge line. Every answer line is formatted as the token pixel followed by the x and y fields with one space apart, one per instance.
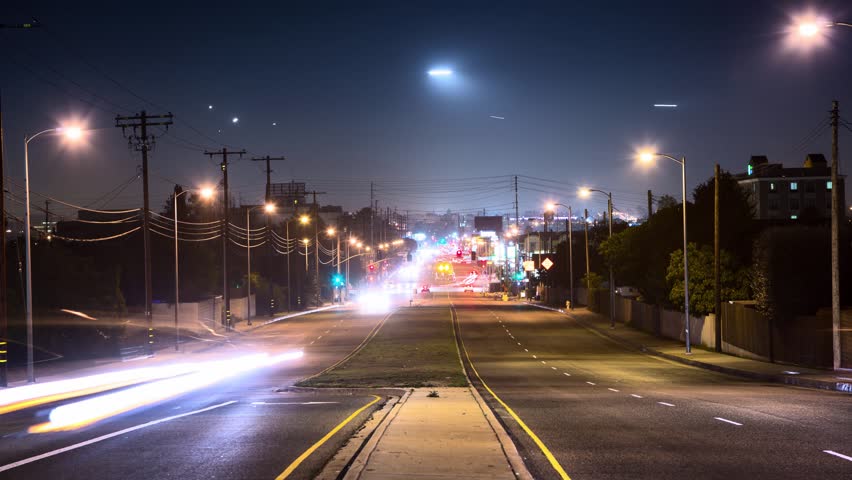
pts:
pixel 108 436
pixel 832 452
pixel 728 421
pixel 292 403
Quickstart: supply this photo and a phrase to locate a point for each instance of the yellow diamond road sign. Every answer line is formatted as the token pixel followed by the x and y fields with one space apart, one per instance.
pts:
pixel 546 263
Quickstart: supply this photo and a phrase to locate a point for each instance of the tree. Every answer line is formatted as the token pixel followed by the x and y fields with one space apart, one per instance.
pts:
pixel 734 279
pixel 667 201
pixel 737 228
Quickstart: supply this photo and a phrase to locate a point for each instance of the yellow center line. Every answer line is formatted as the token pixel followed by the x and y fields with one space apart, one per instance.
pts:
pixel 546 451
pixel 293 466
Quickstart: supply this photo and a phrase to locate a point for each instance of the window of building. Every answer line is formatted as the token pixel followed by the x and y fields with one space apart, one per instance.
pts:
pixel 772 186
pixel 794 186
pixel 794 204
pixel 810 203
pixel 828 185
pixel 794 217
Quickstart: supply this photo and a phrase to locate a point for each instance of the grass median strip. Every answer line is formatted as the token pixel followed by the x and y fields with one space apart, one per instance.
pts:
pixel 415 348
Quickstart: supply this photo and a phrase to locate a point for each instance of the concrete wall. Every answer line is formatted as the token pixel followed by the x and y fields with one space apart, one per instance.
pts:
pixel 201 316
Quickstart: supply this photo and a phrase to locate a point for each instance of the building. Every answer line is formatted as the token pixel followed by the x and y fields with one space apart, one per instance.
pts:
pixel 784 194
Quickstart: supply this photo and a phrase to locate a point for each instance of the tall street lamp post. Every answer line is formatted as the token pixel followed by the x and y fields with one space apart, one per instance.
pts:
pixel 206 194
pixel 268 208
pixel 71 133
pixel 303 219
pixel 331 232
pixel 585 192
pixel 569 228
pixel 648 157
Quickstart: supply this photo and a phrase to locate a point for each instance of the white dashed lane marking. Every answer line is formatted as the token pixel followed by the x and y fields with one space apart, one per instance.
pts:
pixel 635 396
pixel 553 368
pixel 591 383
pixel 612 389
pixel 535 356
pixel 666 404
pixel 566 374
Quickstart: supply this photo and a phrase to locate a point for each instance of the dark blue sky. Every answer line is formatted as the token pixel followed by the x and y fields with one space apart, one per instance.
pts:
pixel 346 85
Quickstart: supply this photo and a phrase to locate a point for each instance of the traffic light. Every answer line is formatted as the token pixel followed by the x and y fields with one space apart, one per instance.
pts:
pixel 337 280
pixel 372 267
pixel 518 276
pixel 458 253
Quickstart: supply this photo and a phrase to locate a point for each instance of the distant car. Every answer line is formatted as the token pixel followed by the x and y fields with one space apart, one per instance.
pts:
pixel 425 289
pixel 468 290
pixel 628 292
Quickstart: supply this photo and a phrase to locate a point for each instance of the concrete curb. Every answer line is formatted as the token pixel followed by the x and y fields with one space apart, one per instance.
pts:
pixel 510 450
pixel 358 463
pixel 764 377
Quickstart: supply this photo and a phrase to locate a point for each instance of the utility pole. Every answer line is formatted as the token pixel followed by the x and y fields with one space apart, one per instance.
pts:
pixel 717 285
pixel 142 141
pixel 611 276
pixel 226 203
pixel 47 218
pixel 569 226
pixel 4 343
pixel 650 205
pixel 588 279
pixel 268 159
pixel 835 240
pixel 518 228
pixel 316 246
pixel 372 200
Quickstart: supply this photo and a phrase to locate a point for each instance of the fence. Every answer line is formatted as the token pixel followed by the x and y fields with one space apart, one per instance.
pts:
pixel 803 340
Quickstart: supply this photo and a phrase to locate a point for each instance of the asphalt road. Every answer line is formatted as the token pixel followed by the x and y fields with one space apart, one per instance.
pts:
pixel 605 412
pixel 242 427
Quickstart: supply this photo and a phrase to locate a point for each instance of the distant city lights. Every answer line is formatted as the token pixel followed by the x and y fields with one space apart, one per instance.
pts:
pixel 235 120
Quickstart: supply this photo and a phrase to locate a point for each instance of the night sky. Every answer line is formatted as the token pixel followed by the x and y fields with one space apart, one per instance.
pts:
pixel 341 89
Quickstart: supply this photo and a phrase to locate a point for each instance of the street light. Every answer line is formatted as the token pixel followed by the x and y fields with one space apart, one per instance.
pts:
pixel 206 193
pixel 268 208
pixel 306 241
pixel 585 193
pixel 330 231
pixel 570 228
pixel 71 133
pixel 304 220
pixel 648 157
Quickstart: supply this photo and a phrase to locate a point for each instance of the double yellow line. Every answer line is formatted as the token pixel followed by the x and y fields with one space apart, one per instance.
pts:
pixel 544 450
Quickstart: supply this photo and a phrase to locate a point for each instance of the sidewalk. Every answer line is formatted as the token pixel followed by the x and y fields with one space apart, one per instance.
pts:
pixel 447 437
pixel 710 360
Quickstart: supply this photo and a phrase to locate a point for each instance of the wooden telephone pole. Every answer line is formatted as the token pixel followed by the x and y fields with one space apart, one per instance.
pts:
pixel 226 204
pixel 268 159
pixel 140 139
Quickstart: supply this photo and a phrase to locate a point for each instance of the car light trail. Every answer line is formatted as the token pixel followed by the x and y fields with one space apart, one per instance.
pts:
pixel 38 394
pixel 86 412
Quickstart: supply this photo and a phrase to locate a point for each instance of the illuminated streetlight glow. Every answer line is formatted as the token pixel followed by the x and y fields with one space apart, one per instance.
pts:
pixel 235 120
pixel 440 72
pixel 646 156
pixel 269 208
pixel 808 29
pixel 304 219
pixel 71 133
pixel 584 192
pixel 206 193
